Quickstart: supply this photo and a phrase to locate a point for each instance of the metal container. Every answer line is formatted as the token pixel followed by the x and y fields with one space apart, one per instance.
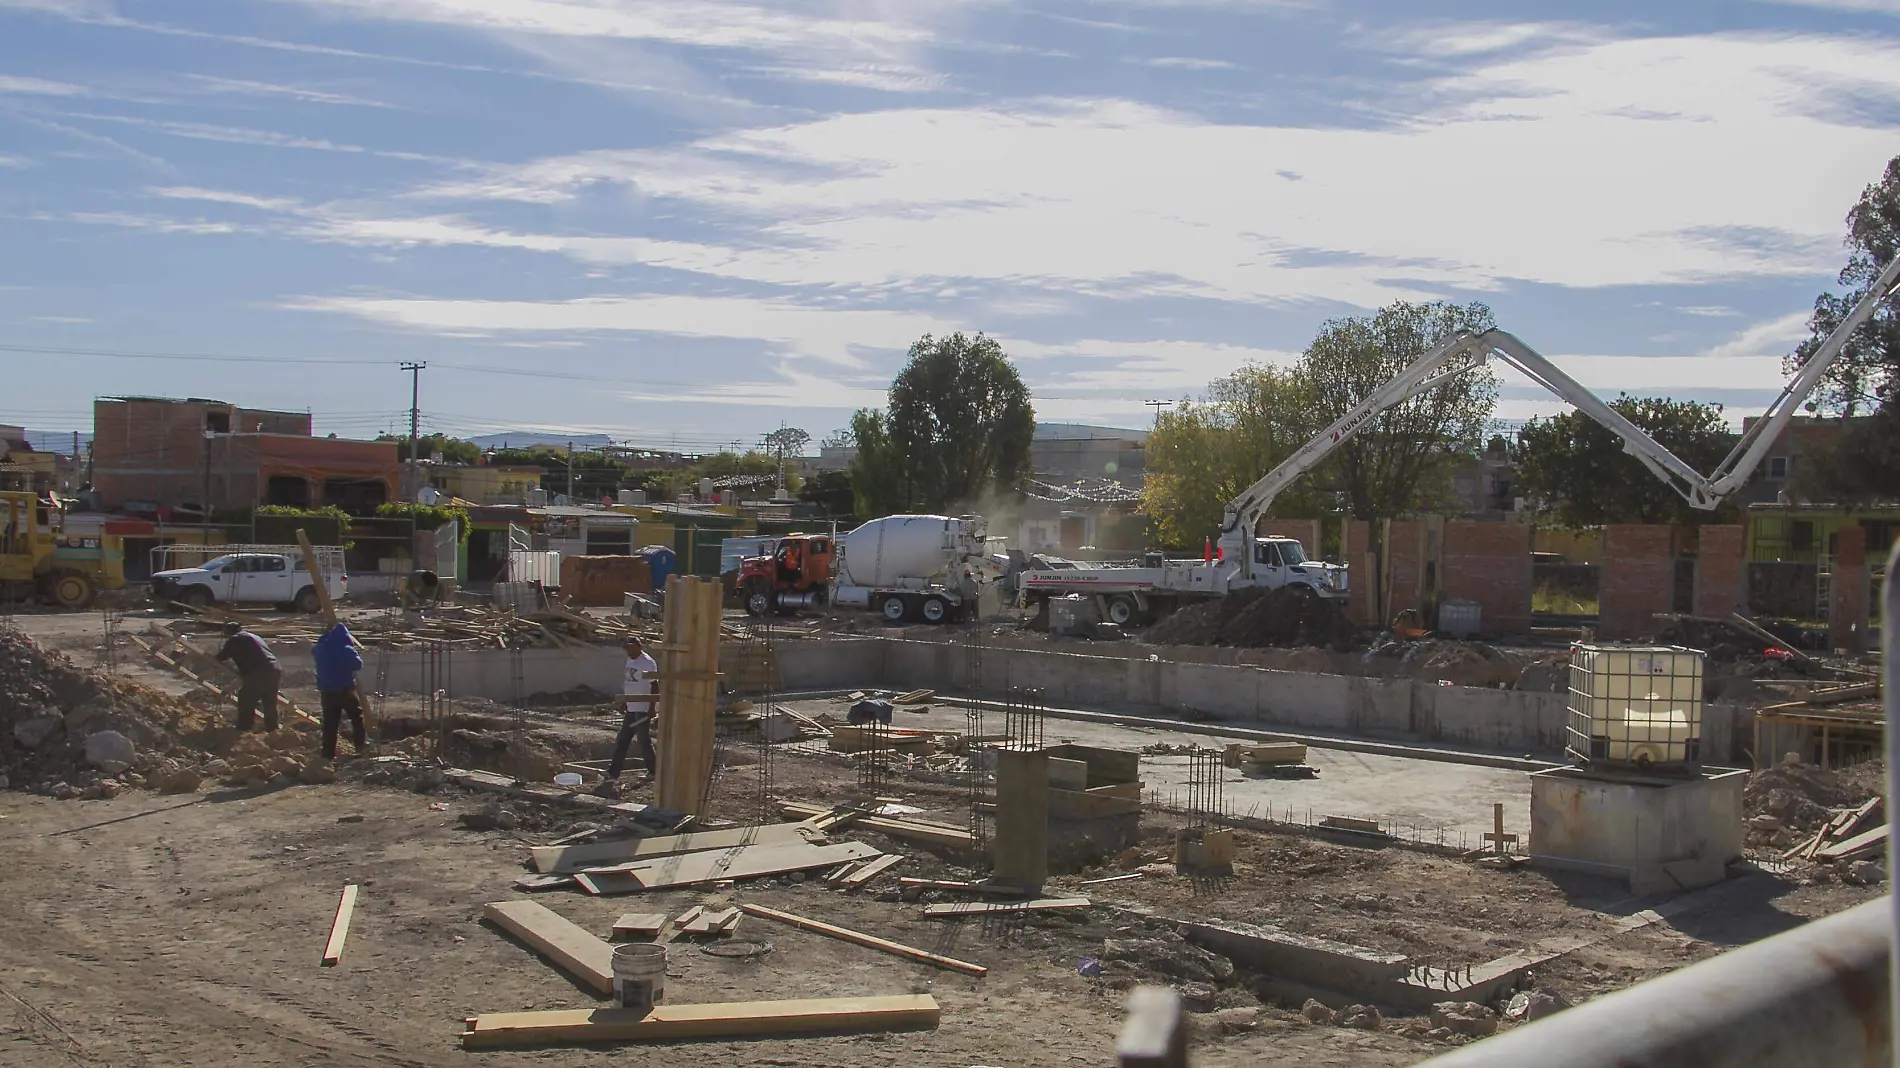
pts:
pixel 1635 705
pixel 1460 618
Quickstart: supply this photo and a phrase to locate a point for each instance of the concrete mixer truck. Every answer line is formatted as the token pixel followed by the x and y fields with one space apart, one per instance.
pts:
pixel 904 567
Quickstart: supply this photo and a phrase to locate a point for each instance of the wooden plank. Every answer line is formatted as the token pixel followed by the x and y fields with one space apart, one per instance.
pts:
pixel 340 927
pixel 1860 843
pixel 872 870
pixel 564 944
pixel 1000 889
pixel 687 917
pixel 636 924
pixel 915 697
pixel 859 938
pixel 571 858
pixel 841 871
pixel 667 1022
pixel 709 921
pixel 983 908
pixel 745 862
pixel 932 833
pixel 536 883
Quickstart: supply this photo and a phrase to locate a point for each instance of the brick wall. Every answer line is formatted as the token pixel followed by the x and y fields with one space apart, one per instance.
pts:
pixel 1362 570
pixel 1847 618
pixel 1489 563
pixel 1638 580
pixel 1404 566
pixel 1304 531
pixel 1720 570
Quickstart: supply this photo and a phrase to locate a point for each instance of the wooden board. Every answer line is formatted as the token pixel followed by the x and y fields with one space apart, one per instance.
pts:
pixel 709 921
pixel 872 870
pixel 744 862
pixel 340 927
pixel 982 908
pixel 1860 843
pixel 666 1021
pixel 636 924
pixel 932 833
pixel 859 938
pixel 564 944
pixel 915 697
pixel 572 858
pixel 1000 889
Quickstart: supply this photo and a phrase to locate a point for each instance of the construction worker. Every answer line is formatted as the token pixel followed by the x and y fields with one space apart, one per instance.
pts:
pixel 258 675
pixel 640 692
pixel 337 665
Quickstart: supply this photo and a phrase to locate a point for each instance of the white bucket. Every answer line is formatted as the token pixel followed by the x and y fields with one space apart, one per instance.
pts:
pixel 639 975
pixel 568 778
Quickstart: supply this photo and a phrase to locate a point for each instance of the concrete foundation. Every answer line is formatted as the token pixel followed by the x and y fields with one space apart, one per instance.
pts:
pixel 1663 835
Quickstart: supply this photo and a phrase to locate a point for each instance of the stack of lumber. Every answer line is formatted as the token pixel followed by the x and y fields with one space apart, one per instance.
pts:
pixel 1264 755
pixel 1857 834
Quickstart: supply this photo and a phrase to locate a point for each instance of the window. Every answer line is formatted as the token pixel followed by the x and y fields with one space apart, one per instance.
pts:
pixel 268 563
pixel 217 422
pixel 1265 553
pixel 1777 468
pixel 1801 535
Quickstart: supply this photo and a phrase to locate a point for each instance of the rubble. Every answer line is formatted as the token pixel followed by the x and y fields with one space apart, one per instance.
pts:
pixel 1172 957
pixel 1361 1018
pixel 1791 801
pixel 1316 1012
pixel 1251 618
pixel 1464 1018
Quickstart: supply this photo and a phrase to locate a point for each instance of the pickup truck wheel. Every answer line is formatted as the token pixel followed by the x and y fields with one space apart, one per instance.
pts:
pixel 758 599
pixel 196 596
pixel 72 589
pixel 1122 611
pixel 306 601
pixel 936 610
pixel 894 609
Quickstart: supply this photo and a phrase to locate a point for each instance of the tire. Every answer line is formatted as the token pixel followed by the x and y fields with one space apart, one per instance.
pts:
pixel 758 599
pixel 894 609
pixel 307 602
pixel 936 610
pixel 196 596
pixel 1122 610
pixel 72 589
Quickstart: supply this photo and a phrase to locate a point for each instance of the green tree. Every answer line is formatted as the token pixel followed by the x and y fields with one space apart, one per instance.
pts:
pixel 453 450
pixel 958 429
pixel 1399 461
pixel 1863 463
pixel 832 491
pixel 1203 454
pixel 1577 468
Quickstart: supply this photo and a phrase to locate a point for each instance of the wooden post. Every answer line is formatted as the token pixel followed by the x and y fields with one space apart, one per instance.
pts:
pixel 689 689
pixel 1021 856
pixel 1497 837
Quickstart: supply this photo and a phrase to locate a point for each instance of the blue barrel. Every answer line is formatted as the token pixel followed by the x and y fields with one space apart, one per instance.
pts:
pixel 662 561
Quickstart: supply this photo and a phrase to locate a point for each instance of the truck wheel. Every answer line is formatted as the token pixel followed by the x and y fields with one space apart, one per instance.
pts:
pixel 72 589
pixel 1122 611
pixel 758 599
pixel 936 610
pixel 894 609
pixel 306 601
pixel 196 596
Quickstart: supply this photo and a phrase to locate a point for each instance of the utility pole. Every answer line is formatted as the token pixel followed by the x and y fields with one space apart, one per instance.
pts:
pixel 415 418
pixel 1157 405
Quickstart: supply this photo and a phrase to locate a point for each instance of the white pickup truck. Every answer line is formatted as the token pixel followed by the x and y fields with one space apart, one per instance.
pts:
pixel 254 574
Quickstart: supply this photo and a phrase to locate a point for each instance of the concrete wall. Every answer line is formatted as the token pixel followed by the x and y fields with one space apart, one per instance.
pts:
pixel 1661 835
pixel 1490 563
pixel 1639 580
pixel 1719 576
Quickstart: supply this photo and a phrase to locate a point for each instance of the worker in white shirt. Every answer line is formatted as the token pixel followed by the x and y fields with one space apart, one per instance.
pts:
pixel 641 693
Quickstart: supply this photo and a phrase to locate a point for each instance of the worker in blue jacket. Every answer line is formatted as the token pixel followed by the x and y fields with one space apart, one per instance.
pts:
pixel 337 665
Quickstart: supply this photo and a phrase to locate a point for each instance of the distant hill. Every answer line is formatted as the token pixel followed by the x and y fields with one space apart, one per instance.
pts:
pixel 528 439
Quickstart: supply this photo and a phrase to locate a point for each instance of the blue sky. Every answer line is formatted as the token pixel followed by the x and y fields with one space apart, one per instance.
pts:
pixel 690 221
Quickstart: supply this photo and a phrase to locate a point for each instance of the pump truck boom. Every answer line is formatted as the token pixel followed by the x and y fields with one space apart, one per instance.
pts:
pixel 1249 561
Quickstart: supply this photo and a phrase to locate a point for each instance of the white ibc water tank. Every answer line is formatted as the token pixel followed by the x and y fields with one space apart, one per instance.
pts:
pixel 902 551
pixel 1639 705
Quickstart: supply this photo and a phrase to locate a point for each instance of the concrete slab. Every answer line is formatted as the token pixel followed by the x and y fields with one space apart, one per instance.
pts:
pixel 1432 796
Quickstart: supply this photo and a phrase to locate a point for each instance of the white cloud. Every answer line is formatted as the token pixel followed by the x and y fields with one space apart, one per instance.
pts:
pixel 219 196
pixel 17 162
pixel 1186 63
pixel 1554 170
pixel 831 336
pixel 1775 337
pixel 14 83
pixel 267 89
pixel 1878 7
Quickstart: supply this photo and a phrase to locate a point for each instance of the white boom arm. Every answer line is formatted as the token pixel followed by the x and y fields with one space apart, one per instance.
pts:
pixel 1465 352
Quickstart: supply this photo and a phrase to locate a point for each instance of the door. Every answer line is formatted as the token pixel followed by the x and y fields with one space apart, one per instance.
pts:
pixel 1268 570
pixel 224 579
pixel 448 540
pixel 263 580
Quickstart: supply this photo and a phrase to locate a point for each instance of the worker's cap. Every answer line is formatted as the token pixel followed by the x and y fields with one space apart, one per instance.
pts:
pixel 233 628
pixel 632 639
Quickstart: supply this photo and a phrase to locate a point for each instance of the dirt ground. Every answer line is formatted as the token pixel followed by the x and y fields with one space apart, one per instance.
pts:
pixel 174 930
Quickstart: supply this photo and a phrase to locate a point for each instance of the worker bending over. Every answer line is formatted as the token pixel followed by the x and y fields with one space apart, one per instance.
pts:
pixel 337 665
pixel 258 675
pixel 641 693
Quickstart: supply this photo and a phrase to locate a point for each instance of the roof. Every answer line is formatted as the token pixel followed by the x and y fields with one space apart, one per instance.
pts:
pixel 1085 431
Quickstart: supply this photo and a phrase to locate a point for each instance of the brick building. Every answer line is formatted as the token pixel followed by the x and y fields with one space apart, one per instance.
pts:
pixel 164 453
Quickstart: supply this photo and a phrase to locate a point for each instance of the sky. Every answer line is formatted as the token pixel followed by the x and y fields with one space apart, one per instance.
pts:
pixel 685 223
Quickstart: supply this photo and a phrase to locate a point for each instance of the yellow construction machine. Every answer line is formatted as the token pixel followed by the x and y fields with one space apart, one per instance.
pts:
pixel 42 555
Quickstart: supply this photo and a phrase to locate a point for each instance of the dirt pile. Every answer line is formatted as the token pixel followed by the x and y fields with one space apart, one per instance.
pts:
pixel 1789 801
pixel 1253 618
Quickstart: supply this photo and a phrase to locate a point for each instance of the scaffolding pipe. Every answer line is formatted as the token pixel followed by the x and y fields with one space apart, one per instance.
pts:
pixel 1813 997
pixel 1890 666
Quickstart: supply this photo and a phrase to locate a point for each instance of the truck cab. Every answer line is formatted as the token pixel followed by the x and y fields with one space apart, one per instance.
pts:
pixel 797 574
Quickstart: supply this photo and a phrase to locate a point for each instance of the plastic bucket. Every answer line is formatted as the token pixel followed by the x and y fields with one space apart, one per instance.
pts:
pixel 639 975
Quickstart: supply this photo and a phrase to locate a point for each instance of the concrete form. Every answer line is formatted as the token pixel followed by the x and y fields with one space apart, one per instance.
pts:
pixel 1661 834
pixel 1020 855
